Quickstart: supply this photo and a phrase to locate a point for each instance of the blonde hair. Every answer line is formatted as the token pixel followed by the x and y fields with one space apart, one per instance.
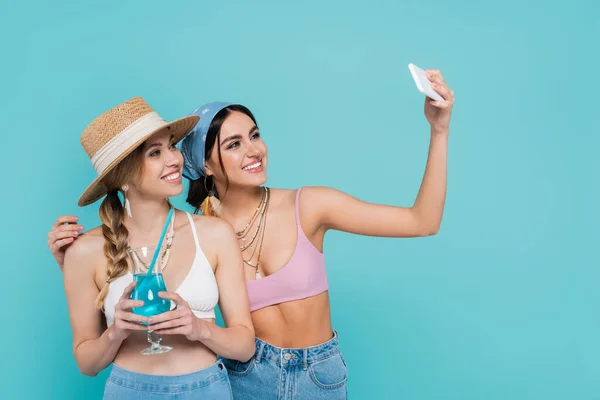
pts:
pixel 206 209
pixel 112 215
pixel 210 206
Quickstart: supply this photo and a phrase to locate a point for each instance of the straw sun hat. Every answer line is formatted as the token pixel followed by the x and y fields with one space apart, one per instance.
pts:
pixel 119 131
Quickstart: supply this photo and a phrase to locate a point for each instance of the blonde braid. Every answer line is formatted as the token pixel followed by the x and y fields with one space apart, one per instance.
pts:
pixel 115 244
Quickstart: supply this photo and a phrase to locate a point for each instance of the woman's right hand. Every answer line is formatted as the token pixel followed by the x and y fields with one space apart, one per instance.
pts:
pixel 63 232
pixel 125 320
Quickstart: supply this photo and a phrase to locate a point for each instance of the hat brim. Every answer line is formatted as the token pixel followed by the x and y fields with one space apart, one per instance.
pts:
pixel 179 129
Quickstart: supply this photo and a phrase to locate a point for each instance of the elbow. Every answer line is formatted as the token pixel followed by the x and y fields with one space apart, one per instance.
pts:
pixel 249 350
pixel 429 230
pixel 247 356
pixel 434 231
pixel 90 373
pixel 426 223
pixel 86 369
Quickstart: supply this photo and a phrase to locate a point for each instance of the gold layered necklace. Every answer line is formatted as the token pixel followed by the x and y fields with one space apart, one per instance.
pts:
pixel 259 214
pixel 259 219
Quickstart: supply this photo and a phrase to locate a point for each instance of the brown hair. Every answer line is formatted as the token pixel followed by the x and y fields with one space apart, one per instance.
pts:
pixel 112 215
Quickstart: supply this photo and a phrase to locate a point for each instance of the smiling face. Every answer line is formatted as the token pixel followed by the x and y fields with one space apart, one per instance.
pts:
pixel 159 175
pixel 243 154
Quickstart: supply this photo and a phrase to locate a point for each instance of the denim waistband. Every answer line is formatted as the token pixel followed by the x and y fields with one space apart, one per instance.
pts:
pixel 290 356
pixel 168 383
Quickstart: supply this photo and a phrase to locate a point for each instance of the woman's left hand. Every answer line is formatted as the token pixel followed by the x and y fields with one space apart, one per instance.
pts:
pixel 438 112
pixel 179 321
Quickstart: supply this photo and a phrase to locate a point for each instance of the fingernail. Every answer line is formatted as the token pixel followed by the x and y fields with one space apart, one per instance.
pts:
pixel 80 227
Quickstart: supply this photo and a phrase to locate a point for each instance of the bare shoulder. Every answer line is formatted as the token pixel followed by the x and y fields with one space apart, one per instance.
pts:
pixel 278 194
pixel 308 193
pixel 314 197
pixel 216 237
pixel 319 197
pixel 87 249
pixel 314 192
pixel 213 227
pixel 279 198
pixel 316 202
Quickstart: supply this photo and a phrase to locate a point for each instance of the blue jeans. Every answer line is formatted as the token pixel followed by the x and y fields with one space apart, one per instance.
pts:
pixel 209 383
pixel 317 372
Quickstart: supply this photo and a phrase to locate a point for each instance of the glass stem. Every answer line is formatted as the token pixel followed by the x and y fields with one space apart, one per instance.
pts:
pixel 153 343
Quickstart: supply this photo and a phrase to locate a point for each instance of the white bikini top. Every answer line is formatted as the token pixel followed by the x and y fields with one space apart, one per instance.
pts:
pixel 199 288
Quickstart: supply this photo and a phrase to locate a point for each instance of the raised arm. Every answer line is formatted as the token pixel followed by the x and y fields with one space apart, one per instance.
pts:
pixel 339 211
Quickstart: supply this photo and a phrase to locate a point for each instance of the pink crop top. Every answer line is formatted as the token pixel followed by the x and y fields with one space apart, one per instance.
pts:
pixel 302 277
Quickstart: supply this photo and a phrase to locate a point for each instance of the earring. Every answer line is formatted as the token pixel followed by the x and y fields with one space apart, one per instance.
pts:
pixel 125 188
pixel 215 203
pixel 212 188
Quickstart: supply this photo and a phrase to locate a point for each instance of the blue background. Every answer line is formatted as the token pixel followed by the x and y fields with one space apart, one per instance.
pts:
pixel 502 304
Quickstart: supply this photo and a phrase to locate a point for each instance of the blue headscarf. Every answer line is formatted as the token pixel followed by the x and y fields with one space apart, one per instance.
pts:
pixel 193 146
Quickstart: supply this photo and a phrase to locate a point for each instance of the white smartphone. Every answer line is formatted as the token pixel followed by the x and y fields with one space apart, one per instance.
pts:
pixel 423 83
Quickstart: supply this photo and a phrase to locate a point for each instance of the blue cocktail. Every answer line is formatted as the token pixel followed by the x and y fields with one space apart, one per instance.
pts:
pixel 147 288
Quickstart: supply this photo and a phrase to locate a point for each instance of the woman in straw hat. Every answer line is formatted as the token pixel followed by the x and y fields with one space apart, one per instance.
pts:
pixel 280 234
pixel 133 150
